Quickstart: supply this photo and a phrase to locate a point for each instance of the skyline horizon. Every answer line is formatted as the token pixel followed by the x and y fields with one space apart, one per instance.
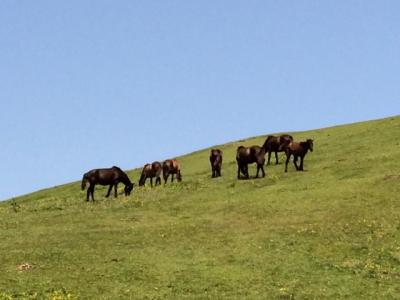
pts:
pixel 202 149
pixel 88 84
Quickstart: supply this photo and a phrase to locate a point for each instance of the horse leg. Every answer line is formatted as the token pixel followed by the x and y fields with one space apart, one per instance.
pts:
pixel 158 180
pixel 88 193
pixel 151 181
pixel 269 157
pixel 172 177
pixel 92 191
pixel 287 160
pixel 295 162
pixel 276 157
pixel 238 172
pixel 109 190
pixel 260 167
pixel 116 190
pixel 165 178
pixel 301 163
pixel 246 170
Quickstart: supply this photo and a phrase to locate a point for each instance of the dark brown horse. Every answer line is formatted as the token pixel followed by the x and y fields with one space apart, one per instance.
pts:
pixel 111 177
pixel 248 155
pixel 277 144
pixel 150 171
pixel 298 150
pixel 216 162
pixel 171 166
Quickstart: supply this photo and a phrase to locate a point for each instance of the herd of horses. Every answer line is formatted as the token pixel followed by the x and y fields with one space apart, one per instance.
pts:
pixel 244 156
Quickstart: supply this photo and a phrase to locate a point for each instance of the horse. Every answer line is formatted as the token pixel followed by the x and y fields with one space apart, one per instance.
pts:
pixel 298 150
pixel 216 162
pixel 111 176
pixel 171 166
pixel 150 171
pixel 277 144
pixel 248 155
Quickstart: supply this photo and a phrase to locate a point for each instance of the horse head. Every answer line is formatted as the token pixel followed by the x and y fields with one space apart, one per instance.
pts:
pixel 128 189
pixel 141 180
pixel 310 144
pixel 179 176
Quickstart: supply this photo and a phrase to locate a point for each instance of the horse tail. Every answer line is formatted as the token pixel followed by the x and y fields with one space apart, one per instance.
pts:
pixel 84 180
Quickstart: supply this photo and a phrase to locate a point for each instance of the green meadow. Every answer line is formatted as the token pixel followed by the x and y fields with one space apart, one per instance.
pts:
pixel 330 232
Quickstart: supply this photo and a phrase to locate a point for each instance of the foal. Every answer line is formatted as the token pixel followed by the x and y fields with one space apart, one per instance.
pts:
pixel 150 171
pixel 298 150
pixel 171 166
pixel 216 162
pixel 249 155
pixel 277 144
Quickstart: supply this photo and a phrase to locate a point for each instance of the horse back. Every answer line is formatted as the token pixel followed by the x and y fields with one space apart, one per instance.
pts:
pixel 242 153
pixel 215 156
pixel 250 154
pixel 156 168
pixel 176 165
pixel 171 166
pixel 101 176
pixel 296 148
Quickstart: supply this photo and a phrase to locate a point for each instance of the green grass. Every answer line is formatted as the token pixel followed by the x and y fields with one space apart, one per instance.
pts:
pixel 332 231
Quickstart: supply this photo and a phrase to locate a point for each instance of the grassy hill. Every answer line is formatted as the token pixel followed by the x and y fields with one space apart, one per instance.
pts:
pixel 332 231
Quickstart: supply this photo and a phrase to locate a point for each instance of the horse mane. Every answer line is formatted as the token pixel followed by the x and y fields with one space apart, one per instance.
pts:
pixel 269 138
pixel 305 144
pixel 125 177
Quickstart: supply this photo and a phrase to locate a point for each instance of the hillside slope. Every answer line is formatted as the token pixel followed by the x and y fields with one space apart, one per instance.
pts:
pixel 332 231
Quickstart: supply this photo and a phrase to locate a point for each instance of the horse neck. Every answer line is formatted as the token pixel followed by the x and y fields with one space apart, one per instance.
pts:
pixel 265 145
pixel 142 178
pixel 305 146
pixel 269 138
pixel 125 179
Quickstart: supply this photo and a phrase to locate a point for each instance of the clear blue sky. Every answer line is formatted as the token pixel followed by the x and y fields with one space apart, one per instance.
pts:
pixel 88 84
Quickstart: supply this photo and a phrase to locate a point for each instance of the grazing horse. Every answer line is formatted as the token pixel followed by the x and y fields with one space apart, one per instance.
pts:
pixel 111 176
pixel 298 150
pixel 171 166
pixel 216 162
pixel 150 171
pixel 277 144
pixel 248 155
